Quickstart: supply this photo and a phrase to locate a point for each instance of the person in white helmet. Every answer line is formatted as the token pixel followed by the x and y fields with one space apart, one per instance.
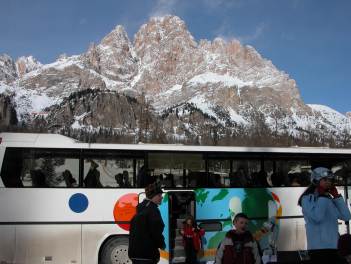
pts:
pixel 322 206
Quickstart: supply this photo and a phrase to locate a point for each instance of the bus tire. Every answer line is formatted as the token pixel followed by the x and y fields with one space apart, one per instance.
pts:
pixel 115 251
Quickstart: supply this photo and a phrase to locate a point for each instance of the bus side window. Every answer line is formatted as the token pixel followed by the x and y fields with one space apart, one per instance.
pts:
pixel 12 168
pixel 69 180
pixel 38 178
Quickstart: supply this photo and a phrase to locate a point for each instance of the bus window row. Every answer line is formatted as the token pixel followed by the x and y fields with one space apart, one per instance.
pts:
pixel 97 169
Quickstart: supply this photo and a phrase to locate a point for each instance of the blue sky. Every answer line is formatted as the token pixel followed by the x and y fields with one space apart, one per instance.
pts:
pixel 308 39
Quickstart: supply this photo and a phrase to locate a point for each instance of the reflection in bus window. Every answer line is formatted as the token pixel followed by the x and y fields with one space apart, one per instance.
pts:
pixel 39 168
pixel 109 172
pixel 248 173
pixel 69 180
pixel 292 173
pixel 177 169
pixel 342 171
pixel 92 179
pixel 143 177
pixel 38 178
pixel 219 173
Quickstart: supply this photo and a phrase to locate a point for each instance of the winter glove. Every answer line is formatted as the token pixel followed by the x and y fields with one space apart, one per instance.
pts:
pixel 321 190
pixel 334 192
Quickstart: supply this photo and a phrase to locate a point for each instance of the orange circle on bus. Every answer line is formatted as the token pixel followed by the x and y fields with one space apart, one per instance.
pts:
pixel 125 209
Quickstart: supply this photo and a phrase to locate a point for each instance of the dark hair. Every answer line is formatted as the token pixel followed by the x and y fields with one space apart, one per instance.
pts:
pixel 189 217
pixel 240 215
pixel 310 189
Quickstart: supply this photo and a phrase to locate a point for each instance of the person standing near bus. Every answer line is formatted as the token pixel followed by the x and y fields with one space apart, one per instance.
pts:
pixel 146 228
pixel 192 239
pixel 322 206
pixel 238 246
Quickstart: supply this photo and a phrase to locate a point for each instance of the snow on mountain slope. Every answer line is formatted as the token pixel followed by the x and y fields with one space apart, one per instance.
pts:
pixel 26 64
pixel 225 80
pixel 210 77
pixel 29 103
pixel 329 117
pixel 7 68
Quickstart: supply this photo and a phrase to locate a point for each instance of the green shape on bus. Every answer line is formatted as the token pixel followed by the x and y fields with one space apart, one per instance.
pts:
pixel 216 239
pixel 165 198
pixel 222 193
pixel 201 195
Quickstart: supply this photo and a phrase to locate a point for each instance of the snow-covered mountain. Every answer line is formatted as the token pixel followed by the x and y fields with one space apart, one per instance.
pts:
pixel 171 75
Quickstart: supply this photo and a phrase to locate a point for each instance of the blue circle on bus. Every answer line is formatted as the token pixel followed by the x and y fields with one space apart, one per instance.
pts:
pixel 78 202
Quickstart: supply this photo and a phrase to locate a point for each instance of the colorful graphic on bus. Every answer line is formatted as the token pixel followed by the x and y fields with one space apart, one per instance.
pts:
pixel 125 209
pixel 78 202
pixel 260 204
pixel 165 217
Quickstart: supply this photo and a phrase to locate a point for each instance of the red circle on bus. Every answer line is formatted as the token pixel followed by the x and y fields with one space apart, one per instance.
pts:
pixel 125 209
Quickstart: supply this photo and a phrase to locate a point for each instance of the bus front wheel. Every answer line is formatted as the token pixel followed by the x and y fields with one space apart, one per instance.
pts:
pixel 115 251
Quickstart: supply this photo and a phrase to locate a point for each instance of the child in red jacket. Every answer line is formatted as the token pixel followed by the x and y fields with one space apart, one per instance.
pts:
pixel 192 240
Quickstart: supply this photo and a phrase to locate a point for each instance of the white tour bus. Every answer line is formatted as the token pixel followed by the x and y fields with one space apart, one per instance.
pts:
pixel 62 201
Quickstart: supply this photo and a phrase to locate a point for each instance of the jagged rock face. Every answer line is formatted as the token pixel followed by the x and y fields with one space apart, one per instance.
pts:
pixel 348 114
pixel 114 56
pixel 7 69
pixel 168 54
pixel 7 111
pixel 96 109
pixel 26 64
pixel 60 81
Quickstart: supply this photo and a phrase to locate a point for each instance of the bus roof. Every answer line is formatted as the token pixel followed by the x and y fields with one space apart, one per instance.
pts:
pixel 38 140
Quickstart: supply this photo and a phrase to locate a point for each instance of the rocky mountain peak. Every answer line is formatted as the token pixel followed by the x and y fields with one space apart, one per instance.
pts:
pixel 348 115
pixel 168 54
pixel 7 68
pixel 162 32
pixel 117 38
pixel 114 57
pixel 26 64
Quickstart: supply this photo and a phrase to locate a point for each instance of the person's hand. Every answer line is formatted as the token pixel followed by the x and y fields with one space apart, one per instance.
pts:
pixel 334 192
pixel 321 190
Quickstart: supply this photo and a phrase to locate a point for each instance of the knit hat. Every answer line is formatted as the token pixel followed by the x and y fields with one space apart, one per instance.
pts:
pixel 320 173
pixel 152 189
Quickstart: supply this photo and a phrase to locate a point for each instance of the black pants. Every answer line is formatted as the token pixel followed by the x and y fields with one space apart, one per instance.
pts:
pixel 326 256
pixel 190 252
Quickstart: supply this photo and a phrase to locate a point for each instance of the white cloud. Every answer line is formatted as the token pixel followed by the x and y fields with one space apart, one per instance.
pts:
pixel 164 7
pixel 259 30
pixel 83 21
pixel 222 3
pixel 226 32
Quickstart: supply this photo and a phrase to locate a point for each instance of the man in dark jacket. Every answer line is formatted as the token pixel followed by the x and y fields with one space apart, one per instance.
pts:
pixel 92 180
pixel 145 237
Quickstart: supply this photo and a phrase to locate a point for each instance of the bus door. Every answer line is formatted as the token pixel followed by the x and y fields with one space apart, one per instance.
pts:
pixel 181 204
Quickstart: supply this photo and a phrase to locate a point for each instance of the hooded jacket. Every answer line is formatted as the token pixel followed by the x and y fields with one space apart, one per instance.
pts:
pixel 238 248
pixel 321 214
pixel 145 236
